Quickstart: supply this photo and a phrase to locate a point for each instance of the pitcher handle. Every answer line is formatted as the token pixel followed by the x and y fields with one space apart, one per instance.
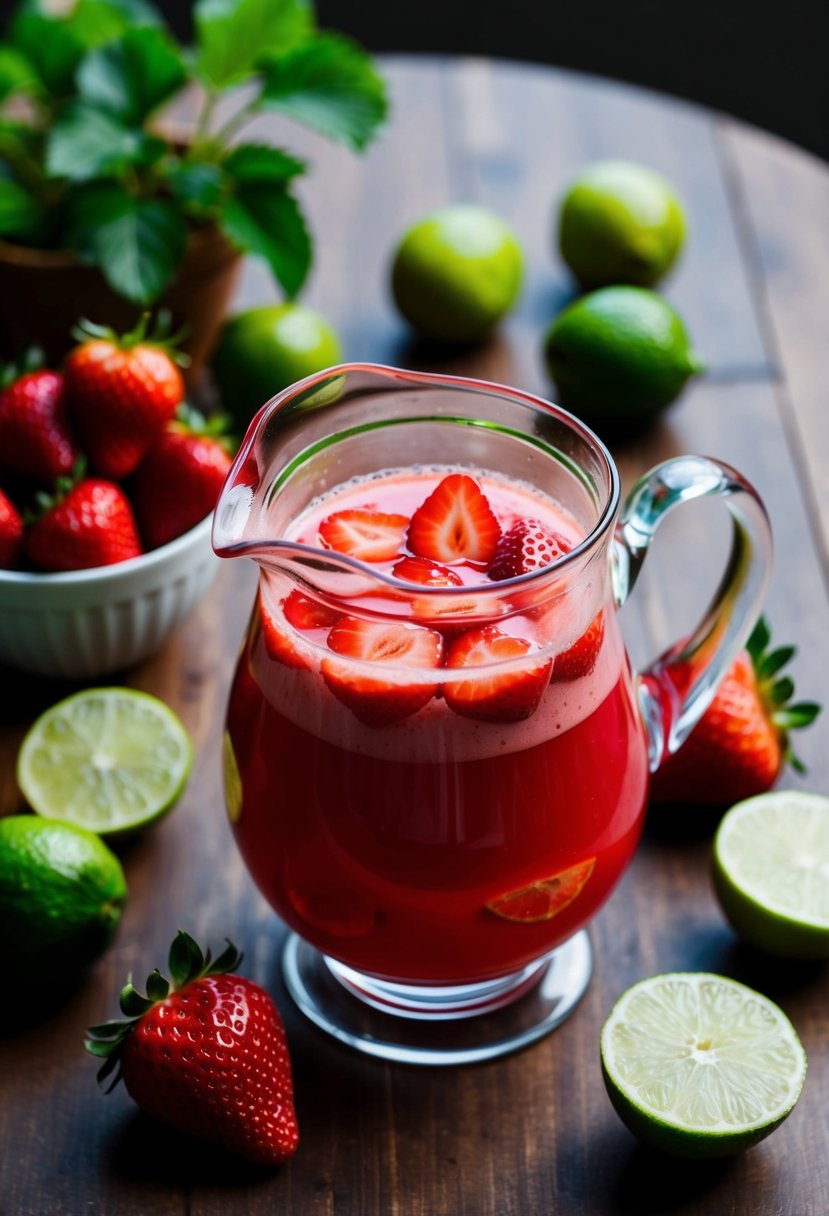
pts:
pixel 677 688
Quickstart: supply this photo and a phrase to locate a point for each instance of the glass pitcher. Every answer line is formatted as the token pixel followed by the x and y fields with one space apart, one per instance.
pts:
pixel 436 771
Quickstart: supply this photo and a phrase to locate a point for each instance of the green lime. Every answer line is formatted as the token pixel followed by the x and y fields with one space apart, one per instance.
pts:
pixel 619 355
pixel 699 1065
pixel 62 892
pixel 456 273
pixel 263 350
pixel 771 872
pixel 107 759
pixel 620 223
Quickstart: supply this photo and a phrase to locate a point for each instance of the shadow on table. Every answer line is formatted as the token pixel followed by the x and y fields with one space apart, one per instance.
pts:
pixel 653 1184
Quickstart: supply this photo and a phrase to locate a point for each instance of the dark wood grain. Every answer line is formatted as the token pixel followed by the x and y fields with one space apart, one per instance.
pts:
pixel 533 1134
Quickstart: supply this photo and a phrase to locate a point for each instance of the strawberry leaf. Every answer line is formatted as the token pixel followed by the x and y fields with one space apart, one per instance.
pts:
pixel 157 986
pixel 759 639
pixel 185 961
pixel 782 690
pixel 329 83
pixel 232 36
pixel 794 717
pixel 133 1004
pixel 768 665
pixel 137 242
pixel 261 217
pixel 86 143
pixel 133 76
pixel 20 213
pixel 16 73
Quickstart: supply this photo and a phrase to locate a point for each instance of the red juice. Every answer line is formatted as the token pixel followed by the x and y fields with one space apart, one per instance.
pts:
pixel 435 848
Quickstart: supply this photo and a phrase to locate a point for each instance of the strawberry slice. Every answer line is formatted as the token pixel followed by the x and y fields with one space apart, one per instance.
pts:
pixel 455 523
pixel 529 545
pixel 507 696
pixel 378 701
pixel 370 536
pixel 426 573
pixel 302 613
pixel 580 658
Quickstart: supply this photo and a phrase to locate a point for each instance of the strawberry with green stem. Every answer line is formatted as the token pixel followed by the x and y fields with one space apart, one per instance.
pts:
pixel 741 744
pixel 122 390
pixel 85 522
pixel 206 1055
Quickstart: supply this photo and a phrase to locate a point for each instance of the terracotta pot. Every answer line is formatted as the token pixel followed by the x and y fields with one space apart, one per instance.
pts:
pixel 43 293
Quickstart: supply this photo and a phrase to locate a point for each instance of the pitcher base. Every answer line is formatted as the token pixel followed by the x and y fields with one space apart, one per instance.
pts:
pixel 442 1024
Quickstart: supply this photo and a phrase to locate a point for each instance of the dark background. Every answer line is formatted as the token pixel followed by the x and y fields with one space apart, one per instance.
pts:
pixel 763 62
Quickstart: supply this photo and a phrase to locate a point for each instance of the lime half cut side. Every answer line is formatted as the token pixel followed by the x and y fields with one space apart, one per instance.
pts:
pixel 107 759
pixel 699 1065
pixel 771 872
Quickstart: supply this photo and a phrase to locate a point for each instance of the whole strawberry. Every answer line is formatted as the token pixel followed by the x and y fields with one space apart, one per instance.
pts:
pixel 740 745
pixel 178 481
pixel 87 523
pixel 35 438
pixel 11 534
pixel 208 1057
pixel 122 392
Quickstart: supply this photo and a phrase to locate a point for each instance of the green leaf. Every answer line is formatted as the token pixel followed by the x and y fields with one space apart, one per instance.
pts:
pixel 133 76
pixel 196 185
pixel 262 218
pixel 330 84
pixel 16 73
pixel 133 1004
pixel 86 143
pixel 759 638
pixel 137 243
pixel 186 960
pixel 257 163
pixel 794 717
pixel 230 958
pixel 158 987
pixel 52 48
pixel 782 689
pixel 771 663
pixel 96 22
pixel 232 36
pixel 20 213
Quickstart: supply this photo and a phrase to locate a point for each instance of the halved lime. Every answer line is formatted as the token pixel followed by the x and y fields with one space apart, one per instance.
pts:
pixel 771 872
pixel 107 759
pixel 699 1065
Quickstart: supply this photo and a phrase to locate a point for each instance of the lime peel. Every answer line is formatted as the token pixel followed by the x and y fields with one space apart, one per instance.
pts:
pixel 107 759
pixel 699 1065
pixel 771 872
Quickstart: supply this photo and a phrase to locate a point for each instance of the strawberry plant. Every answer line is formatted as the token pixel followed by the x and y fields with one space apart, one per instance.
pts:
pixel 86 163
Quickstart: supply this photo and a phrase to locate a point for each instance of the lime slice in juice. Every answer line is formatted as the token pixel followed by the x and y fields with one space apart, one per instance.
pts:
pixel 107 759
pixel 699 1065
pixel 771 872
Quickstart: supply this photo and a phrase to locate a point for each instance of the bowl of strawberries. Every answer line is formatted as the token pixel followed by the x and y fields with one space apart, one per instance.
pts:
pixel 107 486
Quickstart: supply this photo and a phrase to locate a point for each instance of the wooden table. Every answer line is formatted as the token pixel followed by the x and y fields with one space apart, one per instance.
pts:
pixel 532 1134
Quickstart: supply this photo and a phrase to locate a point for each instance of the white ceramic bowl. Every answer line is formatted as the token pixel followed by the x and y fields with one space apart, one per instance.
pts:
pixel 85 623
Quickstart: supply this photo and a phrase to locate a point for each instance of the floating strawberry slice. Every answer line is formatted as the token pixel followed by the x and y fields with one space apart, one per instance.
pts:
pixel 426 573
pixel 507 696
pixel 302 613
pixel 370 536
pixel 455 523
pixel 529 545
pixel 378 701
pixel 580 659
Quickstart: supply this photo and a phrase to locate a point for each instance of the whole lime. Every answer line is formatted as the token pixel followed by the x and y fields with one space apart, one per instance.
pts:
pixel 619 355
pixel 62 891
pixel 620 223
pixel 264 350
pixel 456 273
